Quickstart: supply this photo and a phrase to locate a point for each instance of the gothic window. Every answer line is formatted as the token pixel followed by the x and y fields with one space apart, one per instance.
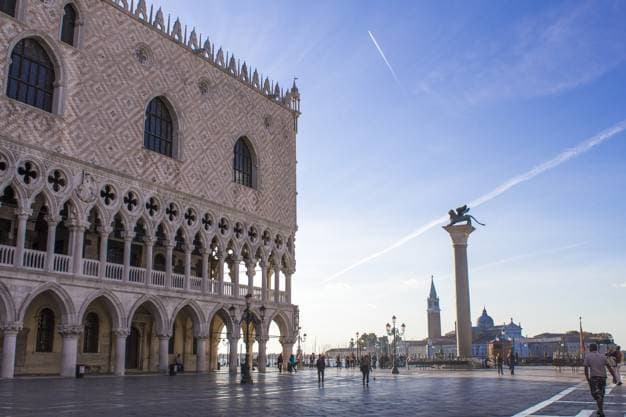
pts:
pixel 159 128
pixel 8 7
pixel 243 164
pixel 92 333
pixel 68 25
pixel 45 331
pixel 31 75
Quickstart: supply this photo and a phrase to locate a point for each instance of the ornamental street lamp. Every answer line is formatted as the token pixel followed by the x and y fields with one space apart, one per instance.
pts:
pixel 301 339
pixel 394 332
pixel 246 375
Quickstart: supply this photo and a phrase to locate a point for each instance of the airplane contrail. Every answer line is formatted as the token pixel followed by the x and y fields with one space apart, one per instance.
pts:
pixel 382 54
pixel 564 156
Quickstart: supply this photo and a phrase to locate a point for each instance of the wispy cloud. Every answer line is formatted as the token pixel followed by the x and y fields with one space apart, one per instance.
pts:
pixel 563 48
pixel 561 158
pixel 382 54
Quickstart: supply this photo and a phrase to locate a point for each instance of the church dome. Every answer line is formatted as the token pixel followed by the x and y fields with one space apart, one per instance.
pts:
pixel 485 321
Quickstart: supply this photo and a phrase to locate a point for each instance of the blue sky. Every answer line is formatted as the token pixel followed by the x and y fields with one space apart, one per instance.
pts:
pixel 484 91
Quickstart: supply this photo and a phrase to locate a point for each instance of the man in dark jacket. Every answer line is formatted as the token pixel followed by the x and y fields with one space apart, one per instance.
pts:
pixel 321 366
pixel 366 364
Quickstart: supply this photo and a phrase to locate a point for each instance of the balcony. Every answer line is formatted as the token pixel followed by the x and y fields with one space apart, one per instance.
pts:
pixel 34 260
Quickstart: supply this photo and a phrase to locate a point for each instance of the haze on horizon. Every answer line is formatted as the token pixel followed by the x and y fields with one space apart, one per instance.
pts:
pixel 468 95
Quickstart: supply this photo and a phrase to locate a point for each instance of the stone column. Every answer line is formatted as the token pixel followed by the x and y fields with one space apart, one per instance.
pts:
pixel 149 246
pixel 164 360
pixel 234 274
pixel 10 331
pixel 459 235
pixel 53 221
pixel 288 287
pixel 120 336
pixel 79 242
pixel 276 284
pixel 287 351
pixel 250 272
pixel 232 354
pixel 169 249
pixel 205 269
pixel 128 242
pixel 262 352
pixel 70 336
pixel 201 363
pixel 220 274
pixel 23 215
pixel 105 231
pixel 263 265
pixel 188 250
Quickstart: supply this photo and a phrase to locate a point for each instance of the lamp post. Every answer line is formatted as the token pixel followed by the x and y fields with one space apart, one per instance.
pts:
pixel 351 349
pixel 358 354
pixel 246 375
pixel 394 332
pixel 301 339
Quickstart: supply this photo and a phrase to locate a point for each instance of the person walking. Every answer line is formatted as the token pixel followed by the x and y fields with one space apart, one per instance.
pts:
pixel 338 361
pixel 500 364
pixel 292 362
pixel 366 364
pixel 321 366
pixel 619 359
pixel 512 362
pixel 595 373
pixel 279 362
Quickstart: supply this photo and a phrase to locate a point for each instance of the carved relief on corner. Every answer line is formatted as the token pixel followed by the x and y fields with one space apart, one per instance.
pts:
pixel 87 190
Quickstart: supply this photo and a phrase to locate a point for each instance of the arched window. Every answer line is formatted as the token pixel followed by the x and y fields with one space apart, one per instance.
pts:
pixel 159 129
pixel 45 331
pixel 8 7
pixel 31 75
pixel 92 333
pixel 68 25
pixel 243 164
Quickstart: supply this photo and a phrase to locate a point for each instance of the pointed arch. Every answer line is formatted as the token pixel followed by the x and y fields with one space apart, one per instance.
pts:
pixel 7 307
pixel 244 163
pixel 68 311
pixel 156 307
pixel 114 305
pixel 162 127
pixel 222 312
pixel 282 321
pixel 196 313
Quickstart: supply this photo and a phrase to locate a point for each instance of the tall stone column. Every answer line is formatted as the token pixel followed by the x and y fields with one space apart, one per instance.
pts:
pixel 234 274
pixel 201 364
pixel 250 272
pixel 22 219
pixel 104 231
pixel 188 249
pixel 120 350
pixel 53 221
pixel 164 361
pixel 276 284
pixel 78 231
pixel 287 351
pixel 232 354
pixel 263 265
pixel 128 243
pixel 459 235
pixel 9 331
pixel 262 360
pixel 70 336
pixel 220 274
pixel 288 287
pixel 149 246
pixel 169 250
pixel 206 252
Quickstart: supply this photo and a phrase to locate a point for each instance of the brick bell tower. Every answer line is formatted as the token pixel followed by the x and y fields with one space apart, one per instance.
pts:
pixel 434 312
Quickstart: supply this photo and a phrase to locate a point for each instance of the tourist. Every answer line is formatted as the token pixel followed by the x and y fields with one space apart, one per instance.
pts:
pixel 179 364
pixel 338 361
pixel 511 359
pixel 374 359
pixel 595 372
pixel 619 359
pixel 292 363
pixel 366 363
pixel 500 364
pixel 321 366
pixel 279 362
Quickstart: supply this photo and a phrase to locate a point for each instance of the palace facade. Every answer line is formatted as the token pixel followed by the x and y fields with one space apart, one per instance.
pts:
pixel 147 190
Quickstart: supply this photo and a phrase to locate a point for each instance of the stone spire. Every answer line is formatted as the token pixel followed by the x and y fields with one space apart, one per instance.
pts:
pixel 433 312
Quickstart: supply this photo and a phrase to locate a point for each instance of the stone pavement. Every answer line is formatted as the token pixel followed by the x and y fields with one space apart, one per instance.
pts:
pixel 533 392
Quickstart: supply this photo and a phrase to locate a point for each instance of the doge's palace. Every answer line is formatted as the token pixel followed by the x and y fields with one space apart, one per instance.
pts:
pixel 147 189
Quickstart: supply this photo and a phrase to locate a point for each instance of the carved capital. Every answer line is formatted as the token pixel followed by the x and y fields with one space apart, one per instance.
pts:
pixel 69 330
pixel 23 213
pixel 189 248
pixel 11 327
pixel 105 230
pixel 164 336
pixel 459 233
pixel 52 220
pixel 121 332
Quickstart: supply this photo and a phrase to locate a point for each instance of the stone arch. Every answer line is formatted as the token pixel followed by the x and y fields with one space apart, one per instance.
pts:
pixel 68 311
pixel 196 313
pixel 7 307
pixel 49 45
pixel 222 312
pixel 116 309
pixel 21 194
pixel 219 318
pixel 283 323
pixel 156 308
pixel 80 21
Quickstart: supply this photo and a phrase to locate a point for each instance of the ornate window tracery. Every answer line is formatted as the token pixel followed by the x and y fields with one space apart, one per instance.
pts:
pixel 31 75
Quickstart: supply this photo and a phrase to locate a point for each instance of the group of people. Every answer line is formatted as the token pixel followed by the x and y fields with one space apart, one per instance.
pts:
pixel 511 360
pixel 365 366
pixel 291 364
